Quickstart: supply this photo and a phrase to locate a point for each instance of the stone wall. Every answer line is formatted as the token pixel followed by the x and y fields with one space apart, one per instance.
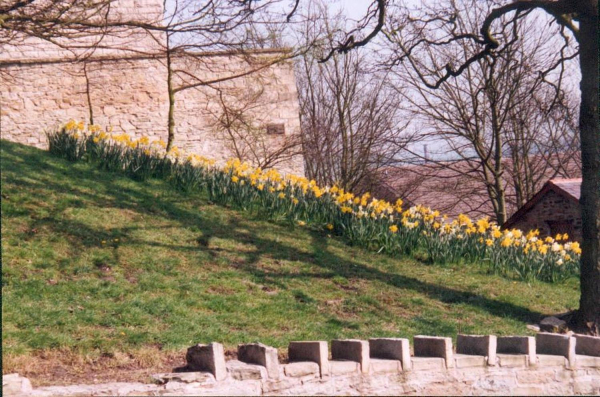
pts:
pixel 91 42
pixel 553 207
pixel 120 78
pixel 547 364
pixel 130 95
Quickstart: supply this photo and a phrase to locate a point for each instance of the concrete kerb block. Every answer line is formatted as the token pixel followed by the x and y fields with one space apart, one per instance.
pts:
pixel 301 368
pixel 588 362
pixel 428 364
pixel 513 360
pixel 391 349
pixel 556 345
pixel 352 350
pixel 469 361
pixel 384 365
pixel 587 345
pixel 15 385
pixel 239 370
pixel 315 351
pixel 209 358
pixel 434 346
pixel 257 353
pixel 343 367
pixel 478 345
pixel 517 345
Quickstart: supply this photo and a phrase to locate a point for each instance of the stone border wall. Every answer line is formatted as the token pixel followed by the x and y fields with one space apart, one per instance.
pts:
pixel 129 95
pixel 547 364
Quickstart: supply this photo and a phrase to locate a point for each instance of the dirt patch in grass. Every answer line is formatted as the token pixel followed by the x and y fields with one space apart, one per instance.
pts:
pixel 64 367
pixel 220 290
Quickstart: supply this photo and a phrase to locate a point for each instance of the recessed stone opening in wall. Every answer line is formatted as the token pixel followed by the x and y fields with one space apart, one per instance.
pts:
pixel 276 129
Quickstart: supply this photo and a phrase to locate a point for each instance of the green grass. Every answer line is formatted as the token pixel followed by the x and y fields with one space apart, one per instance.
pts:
pixel 176 270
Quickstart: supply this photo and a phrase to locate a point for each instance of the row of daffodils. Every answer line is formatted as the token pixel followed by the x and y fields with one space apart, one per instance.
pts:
pixel 363 220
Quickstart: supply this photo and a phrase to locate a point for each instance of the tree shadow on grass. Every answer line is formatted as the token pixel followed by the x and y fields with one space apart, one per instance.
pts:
pixel 23 168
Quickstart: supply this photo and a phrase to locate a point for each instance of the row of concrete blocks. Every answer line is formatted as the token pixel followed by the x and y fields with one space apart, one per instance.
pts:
pixel 393 354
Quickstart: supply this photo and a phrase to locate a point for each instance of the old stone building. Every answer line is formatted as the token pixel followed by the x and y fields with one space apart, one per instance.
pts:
pixel 123 84
pixel 554 209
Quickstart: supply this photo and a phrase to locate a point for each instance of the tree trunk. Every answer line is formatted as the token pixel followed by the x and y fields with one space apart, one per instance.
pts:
pixel 88 93
pixel 171 119
pixel 589 305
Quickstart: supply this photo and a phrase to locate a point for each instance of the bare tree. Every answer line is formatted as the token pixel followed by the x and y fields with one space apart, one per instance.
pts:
pixel 244 128
pixel 498 110
pixel 349 114
pixel 56 21
pixel 577 20
pixel 541 144
pixel 75 29
pixel 194 28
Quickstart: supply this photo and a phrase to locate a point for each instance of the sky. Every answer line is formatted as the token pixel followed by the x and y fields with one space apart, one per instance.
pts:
pixel 355 9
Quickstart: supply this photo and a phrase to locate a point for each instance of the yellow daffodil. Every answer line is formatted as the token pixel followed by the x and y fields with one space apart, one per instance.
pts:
pixel 345 209
pixel 575 248
pixel 366 210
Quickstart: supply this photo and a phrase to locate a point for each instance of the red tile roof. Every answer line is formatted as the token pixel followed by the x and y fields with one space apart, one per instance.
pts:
pixel 570 186
pixel 456 188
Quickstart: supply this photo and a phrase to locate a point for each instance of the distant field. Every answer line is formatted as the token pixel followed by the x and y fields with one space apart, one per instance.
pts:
pixel 107 278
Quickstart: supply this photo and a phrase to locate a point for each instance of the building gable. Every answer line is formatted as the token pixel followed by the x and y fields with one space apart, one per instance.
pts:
pixel 552 210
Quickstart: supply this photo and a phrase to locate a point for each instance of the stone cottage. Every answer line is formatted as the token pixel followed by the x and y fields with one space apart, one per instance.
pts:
pixel 122 84
pixel 554 209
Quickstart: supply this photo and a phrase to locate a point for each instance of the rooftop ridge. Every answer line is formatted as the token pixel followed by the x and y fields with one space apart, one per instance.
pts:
pixel 565 180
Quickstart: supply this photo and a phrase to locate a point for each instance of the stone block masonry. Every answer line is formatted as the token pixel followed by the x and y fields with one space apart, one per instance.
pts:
pixel 379 366
pixel 432 346
pixel 257 353
pixel 516 348
pixel 122 84
pixel 311 351
pixel 391 349
pixel 556 345
pixel 129 95
pixel 478 345
pixel 209 358
pixel 352 350
pixel 552 208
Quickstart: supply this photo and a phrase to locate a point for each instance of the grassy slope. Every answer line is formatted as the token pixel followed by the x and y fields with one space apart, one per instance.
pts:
pixel 176 270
